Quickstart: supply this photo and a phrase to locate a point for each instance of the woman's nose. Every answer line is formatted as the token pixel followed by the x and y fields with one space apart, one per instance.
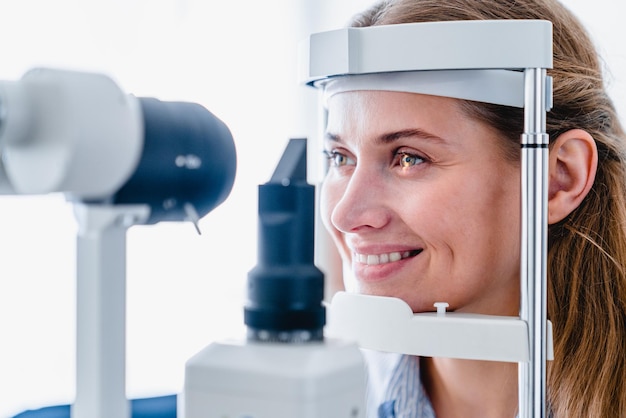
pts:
pixel 362 204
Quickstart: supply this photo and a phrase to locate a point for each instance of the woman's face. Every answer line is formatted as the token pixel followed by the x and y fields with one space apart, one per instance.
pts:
pixel 422 203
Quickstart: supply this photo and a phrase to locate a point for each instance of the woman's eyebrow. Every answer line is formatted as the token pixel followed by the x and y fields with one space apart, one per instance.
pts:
pixel 393 136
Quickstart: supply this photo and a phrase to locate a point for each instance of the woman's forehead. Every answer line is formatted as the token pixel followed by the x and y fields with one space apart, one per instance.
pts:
pixel 367 111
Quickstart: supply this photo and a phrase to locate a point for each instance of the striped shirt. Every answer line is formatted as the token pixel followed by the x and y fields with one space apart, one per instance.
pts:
pixel 394 387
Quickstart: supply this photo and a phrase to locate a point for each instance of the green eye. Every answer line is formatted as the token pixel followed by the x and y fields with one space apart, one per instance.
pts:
pixel 409 160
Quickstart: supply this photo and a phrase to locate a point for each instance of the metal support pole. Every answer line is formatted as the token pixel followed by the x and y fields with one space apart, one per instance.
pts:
pixel 533 274
pixel 101 309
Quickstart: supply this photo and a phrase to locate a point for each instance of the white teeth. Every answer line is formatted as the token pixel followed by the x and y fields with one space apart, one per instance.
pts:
pixel 375 259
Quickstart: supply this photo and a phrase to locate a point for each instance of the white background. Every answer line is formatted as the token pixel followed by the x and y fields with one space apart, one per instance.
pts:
pixel 238 59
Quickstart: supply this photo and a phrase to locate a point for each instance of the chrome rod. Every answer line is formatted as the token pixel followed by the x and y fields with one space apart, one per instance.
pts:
pixel 534 225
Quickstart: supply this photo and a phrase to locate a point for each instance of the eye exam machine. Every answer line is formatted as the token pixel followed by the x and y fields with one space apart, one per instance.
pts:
pixel 499 62
pixel 286 367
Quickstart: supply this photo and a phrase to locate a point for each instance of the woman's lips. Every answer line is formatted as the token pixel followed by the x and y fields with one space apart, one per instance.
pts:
pixel 382 266
pixel 384 258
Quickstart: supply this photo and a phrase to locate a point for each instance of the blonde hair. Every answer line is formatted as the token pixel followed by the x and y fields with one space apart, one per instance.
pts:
pixel 587 250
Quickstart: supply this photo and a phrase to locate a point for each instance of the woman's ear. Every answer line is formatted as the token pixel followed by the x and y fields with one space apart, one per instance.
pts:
pixel 573 161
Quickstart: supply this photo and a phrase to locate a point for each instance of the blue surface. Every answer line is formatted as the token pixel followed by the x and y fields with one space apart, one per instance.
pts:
pixel 159 407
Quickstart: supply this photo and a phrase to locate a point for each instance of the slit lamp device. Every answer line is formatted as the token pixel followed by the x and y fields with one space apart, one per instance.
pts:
pixel 501 62
pixel 46 127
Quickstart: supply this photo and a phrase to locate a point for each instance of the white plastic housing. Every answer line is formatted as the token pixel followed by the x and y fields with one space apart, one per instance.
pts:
pixel 71 132
pixel 454 45
pixel 265 380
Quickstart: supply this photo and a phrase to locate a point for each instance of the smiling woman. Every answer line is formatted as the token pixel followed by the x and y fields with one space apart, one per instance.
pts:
pixel 422 199
pixel 199 50
pixel 410 183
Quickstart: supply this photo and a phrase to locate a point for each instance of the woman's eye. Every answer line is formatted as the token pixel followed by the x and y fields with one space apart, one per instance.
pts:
pixel 337 159
pixel 406 160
